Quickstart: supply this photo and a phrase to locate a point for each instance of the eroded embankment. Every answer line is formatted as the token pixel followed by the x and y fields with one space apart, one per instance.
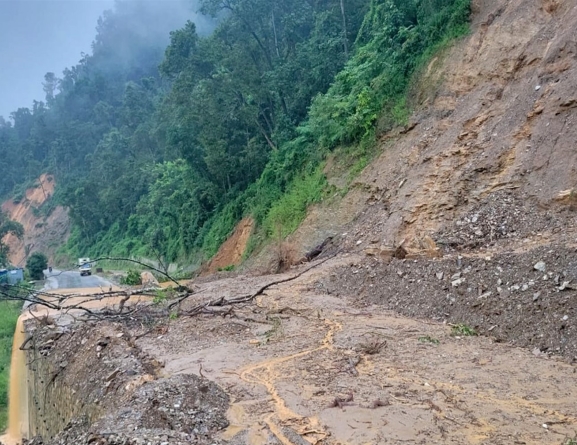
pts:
pixel 90 383
pixel 42 232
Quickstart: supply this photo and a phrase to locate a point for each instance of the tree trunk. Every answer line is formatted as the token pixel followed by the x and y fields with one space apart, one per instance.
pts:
pixel 275 35
pixel 345 33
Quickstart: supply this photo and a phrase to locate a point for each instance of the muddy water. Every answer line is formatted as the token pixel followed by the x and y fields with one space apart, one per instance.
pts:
pixel 265 374
pixel 18 391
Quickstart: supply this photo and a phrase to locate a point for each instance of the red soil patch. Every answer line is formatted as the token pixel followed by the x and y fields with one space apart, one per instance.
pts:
pixel 230 253
pixel 41 233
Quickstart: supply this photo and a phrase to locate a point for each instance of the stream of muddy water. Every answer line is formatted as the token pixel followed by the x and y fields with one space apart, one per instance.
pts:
pixel 18 390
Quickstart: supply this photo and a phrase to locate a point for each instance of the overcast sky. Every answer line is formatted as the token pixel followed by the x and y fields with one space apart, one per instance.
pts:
pixel 38 36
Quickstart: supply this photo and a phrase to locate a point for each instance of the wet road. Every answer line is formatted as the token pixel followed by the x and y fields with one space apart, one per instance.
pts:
pixel 58 279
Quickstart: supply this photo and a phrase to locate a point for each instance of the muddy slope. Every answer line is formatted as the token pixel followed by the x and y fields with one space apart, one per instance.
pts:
pixel 494 113
pixel 41 233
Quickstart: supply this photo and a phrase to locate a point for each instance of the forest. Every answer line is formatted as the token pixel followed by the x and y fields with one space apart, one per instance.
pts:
pixel 161 141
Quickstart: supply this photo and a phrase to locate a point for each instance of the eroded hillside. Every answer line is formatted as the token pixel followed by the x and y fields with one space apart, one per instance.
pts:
pixel 42 233
pixel 494 124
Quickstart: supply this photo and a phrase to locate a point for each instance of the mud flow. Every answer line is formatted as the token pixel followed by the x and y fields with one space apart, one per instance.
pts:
pixel 304 367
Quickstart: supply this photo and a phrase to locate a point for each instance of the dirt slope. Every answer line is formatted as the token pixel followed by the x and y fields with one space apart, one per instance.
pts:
pixel 231 252
pixel 42 234
pixel 485 175
pixel 494 114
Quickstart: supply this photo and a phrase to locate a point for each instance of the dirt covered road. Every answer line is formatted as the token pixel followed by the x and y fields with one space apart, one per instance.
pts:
pixel 303 366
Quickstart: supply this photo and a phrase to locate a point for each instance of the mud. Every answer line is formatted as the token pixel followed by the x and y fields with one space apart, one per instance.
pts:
pixel 302 366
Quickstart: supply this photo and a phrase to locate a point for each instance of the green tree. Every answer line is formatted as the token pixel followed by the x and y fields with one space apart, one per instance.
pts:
pixel 8 226
pixel 36 264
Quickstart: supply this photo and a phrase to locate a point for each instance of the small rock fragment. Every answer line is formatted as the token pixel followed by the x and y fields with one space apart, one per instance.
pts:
pixel 540 266
pixel 456 283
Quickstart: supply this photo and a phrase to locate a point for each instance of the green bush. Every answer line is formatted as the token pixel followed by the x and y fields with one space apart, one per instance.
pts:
pixel 289 211
pixel 463 330
pixel 132 278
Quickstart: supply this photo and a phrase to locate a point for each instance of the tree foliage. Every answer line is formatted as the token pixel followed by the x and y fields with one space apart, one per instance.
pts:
pixel 7 227
pixel 36 264
pixel 159 150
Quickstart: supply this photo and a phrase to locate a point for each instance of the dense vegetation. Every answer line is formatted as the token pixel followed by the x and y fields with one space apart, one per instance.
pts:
pixel 159 151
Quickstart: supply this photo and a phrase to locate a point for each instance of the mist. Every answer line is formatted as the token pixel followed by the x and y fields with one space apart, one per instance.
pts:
pixel 41 36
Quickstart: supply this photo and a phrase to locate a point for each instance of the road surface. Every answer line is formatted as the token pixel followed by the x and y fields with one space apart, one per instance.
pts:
pixel 58 279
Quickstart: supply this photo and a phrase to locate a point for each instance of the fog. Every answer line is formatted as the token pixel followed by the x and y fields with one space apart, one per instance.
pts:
pixel 40 36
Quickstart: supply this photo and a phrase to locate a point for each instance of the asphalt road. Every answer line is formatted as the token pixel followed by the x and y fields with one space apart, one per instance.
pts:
pixel 58 279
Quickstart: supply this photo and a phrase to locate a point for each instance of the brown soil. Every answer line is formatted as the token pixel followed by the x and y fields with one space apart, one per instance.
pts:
pixel 291 361
pixel 42 234
pixel 231 252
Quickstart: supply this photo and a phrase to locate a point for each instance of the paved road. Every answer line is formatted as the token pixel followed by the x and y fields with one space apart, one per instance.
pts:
pixel 58 279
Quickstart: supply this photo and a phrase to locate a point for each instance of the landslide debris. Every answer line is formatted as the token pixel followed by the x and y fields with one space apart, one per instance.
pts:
pixel 122 394
pixel 526 298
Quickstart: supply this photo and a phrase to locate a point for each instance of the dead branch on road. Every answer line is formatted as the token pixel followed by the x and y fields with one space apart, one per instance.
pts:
pixel 207 307
pixel 179 286
pixel 65 304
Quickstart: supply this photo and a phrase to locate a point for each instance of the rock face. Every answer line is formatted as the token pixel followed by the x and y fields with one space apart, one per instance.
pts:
pixel 93 385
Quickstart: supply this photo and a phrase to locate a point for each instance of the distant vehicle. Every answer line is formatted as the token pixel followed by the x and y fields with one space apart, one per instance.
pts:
pixel 84 266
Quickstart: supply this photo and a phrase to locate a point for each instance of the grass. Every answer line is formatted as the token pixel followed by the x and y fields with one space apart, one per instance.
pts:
pixel 275 330
pixel 429 339
pixel 463 330
pixel 289 211
pixel 9 312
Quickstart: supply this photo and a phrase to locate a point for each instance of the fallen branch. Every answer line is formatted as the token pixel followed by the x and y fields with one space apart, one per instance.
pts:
pixel 222 301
